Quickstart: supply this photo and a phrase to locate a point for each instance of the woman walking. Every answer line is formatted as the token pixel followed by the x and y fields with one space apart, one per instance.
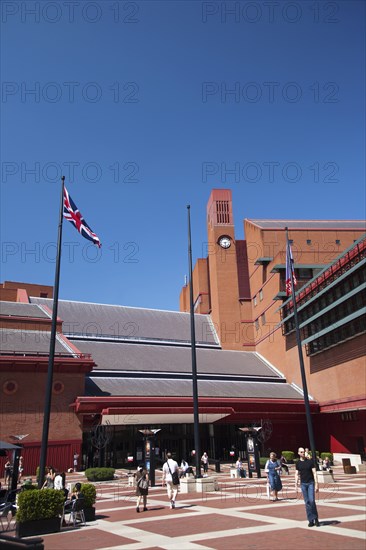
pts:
pixel 142 487
pixel 273 469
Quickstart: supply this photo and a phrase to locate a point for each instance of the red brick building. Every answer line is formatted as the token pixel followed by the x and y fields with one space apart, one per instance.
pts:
pixel 120 369
pixel 241 285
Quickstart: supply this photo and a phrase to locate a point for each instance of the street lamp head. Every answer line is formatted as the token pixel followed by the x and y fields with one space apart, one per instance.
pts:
pixel 148 432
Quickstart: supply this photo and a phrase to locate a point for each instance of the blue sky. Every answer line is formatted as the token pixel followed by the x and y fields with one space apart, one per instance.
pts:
pixel 147 106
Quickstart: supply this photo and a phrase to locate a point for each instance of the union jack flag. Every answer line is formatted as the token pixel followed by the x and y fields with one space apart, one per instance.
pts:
pixel 73 214
pixel 290 271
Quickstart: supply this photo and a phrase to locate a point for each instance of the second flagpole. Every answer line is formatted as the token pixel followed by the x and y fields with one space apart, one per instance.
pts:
pixel 301 359
pixel 197 443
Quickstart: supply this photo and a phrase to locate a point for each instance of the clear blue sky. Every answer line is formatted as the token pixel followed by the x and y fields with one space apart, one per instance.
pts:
pixel 131 102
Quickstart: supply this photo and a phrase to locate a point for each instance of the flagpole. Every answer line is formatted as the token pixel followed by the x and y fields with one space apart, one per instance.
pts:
pixel 47 404
pixel 301 359
pixel 197 444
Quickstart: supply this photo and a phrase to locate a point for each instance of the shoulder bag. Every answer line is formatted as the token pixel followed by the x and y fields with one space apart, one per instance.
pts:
pixel 143 483
pixel 175 476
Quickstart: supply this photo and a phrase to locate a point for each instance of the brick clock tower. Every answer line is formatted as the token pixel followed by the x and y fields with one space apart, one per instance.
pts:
pixel 218 279
pixel 223 269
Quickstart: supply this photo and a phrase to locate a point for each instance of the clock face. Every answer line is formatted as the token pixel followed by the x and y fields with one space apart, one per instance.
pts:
pixel 225 242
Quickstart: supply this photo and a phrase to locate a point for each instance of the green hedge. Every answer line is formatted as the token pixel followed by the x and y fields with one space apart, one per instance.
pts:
pixel 289 455
pixel 39 504
pixel 90 493
pixel 99 474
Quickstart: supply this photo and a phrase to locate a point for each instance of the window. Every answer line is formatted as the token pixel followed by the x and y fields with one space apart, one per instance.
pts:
pixel 261 295
pixel 263 319
pixel 255 300
pixel 264 273
pixel 256 323
pixel 222 211
pixel 308 241
pixel 349 416
pixel 305 273
pixel 338 241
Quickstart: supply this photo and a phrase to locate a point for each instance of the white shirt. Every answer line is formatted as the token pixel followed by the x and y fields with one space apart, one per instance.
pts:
pixel 58 483
pixel 173 468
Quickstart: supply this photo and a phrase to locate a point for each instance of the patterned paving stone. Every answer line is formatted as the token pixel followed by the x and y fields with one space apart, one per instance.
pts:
pixel 193 525
pixel 357 525
pixel 83 539
pixel 301 539
pixel 238 516
pixel 297 512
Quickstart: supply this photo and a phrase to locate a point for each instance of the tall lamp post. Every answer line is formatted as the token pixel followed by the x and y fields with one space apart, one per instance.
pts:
pixel 196 427
pixel 149 447
pixel 251 439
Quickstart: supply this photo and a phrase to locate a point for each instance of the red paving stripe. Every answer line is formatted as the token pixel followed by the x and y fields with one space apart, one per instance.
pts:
pixel 357 502
pixel 298 512
pixel 299 539
pixel 327 512
pixel 231 502
pixel 85 539
pixel 182 527
pixel 121 503
pixel 357 525
pixel 153 510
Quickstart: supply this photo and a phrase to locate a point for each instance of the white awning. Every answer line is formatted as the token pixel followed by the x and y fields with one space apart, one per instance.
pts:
pixel 144 419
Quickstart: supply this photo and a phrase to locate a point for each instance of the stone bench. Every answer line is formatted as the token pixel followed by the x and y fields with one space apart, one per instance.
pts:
pixel 188 485
pixel 361 467
pixel 234 473
pixel 324 477
pixel 206 485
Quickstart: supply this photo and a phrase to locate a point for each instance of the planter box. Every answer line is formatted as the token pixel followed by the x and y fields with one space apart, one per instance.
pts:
pixel 38 527
pixel 89 514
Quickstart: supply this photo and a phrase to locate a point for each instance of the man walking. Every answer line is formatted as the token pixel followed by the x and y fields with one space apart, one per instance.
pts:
pixel 306 475
pixel 170 467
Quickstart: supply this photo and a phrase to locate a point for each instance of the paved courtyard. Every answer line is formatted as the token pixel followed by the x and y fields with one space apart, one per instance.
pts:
pixel 238 515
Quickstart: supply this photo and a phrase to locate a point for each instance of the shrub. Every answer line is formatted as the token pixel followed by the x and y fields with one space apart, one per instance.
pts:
pixel 289 455
pixel 329 455
pixel 99 474
pixel 90 493
pixel 39 504
pixel 262 461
